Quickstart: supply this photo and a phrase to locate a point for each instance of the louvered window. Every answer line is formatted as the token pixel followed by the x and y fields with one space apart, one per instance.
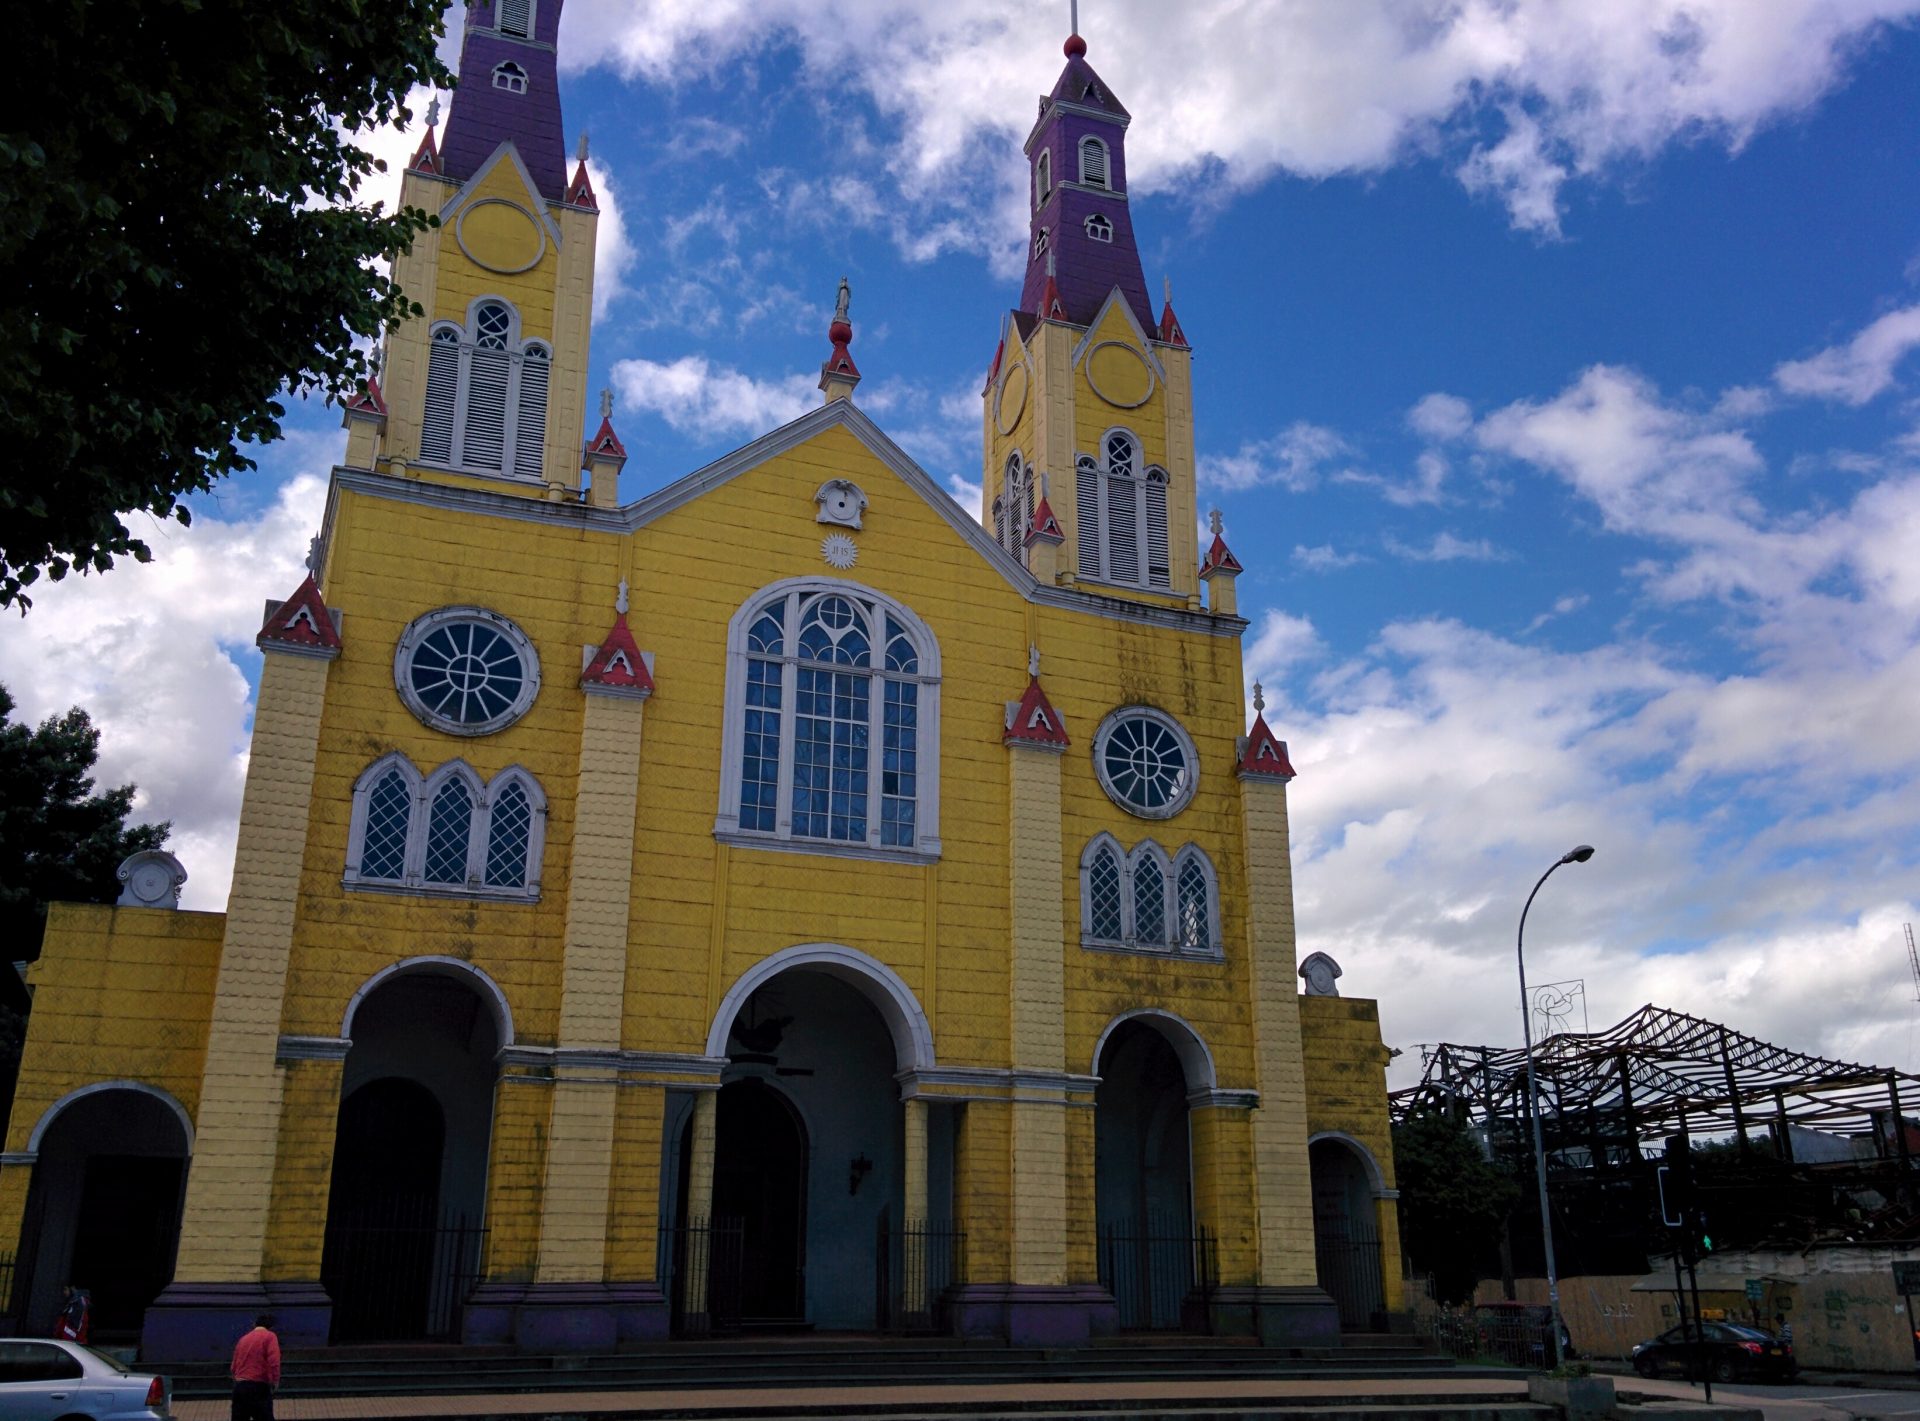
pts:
pixel 1123 510
pixel 516 18
pixel 1159 573
pixel 1013 510
pixel 443 396
pixel 530 418
pixel 1043 177
pixel 1087 521
pixel 1093 162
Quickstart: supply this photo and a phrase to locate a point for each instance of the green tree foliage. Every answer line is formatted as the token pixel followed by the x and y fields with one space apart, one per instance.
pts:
pixel 1453 1201
pixel 178 233
pixel 59 842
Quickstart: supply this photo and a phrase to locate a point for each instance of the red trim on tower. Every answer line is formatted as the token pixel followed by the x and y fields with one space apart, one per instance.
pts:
pixel 605 444
pixel 999 353
pixel 1045 526
pixel 369 400
pixel 618 665
pixel 301 623
pixel 1265 754
pixel 1219 559
pixel 1052 308
pixel 580 190
pixel 426 158
pixel 1036 722
pixel 1170 331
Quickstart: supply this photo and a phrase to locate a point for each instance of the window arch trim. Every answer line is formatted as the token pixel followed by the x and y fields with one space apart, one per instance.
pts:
pixel 422 791
pixel 1098 174
pixel 510 77
pixel 1147 856
pixel 447 423
pixel 727 827
pixel 1122 515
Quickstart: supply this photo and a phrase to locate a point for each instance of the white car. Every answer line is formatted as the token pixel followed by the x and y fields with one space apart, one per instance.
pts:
pixel 51 1381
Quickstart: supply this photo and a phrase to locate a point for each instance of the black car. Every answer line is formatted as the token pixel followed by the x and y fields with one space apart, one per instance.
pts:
pixel 1725 1350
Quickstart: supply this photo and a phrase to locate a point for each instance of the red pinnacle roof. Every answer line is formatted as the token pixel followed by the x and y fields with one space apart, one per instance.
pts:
pixel 605 443
pixel 999 353
pixel 580 190
pixel 1051 308
pixel 1219 559
pixel 1265 755
pixel 369 400
pixel 426 158
pixel 617 665
pixel 1045 525
pixel 301 621
pixel 1036 722
pixel 1170 331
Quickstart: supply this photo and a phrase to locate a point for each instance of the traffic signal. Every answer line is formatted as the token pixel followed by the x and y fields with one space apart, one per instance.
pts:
pixel 1702 1233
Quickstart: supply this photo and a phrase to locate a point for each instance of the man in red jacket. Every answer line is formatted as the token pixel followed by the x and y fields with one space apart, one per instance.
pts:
pixel 256 1371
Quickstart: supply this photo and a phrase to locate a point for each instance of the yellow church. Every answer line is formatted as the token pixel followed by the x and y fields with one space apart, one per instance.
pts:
pixel 788 899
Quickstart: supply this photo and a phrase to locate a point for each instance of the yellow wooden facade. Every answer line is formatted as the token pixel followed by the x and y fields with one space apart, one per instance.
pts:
pixel 611 991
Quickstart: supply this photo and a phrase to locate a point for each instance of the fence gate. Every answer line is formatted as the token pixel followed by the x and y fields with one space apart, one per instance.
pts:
pixel 1161 1278
pixel 701 1267
pixel 401 1281
pixel 913 1266
pixel 1349 1266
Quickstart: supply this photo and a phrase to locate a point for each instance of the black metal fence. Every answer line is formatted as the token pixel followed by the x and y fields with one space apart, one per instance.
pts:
pixel 701 1268
pixel 913 1267
pixel 7 1312
pixel 399 1281
pixel 1349 1266
pixel 1161 1277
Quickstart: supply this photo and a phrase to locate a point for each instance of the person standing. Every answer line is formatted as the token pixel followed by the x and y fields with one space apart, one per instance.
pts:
pixel 256 1371
pixel 1783 1329
pixel 75 1322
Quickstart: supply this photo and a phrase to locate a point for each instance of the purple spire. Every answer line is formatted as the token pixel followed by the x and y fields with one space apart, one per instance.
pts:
pixel 1078 191
pixel 509 93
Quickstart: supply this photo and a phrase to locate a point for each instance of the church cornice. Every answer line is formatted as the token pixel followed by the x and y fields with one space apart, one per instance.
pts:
pixel 1068 107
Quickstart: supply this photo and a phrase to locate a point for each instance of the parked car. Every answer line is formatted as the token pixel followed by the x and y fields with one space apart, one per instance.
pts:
pixel 1517 1334
pixel 48 1381
pixel 1725 1350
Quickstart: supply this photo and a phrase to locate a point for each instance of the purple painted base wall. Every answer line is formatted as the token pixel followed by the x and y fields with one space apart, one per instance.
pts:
pixel 565 1317
pixel 200 1322
pixel 1031 1315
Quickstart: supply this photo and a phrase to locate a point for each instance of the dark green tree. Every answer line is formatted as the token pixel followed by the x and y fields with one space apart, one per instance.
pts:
pixel 178 230
pixel 1453 1201
pixel 60 841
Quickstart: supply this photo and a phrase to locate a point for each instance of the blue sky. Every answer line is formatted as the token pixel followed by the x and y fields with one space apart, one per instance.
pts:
pixel 1556 376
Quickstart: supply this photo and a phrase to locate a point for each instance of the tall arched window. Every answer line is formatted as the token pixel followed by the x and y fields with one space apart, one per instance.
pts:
pixel 1145 902
pixel 448 834
pixel 1122 515
pixel 832 730
pixel 1093 163
pixel 486 401
pixel 1043 177
pixel 1013 509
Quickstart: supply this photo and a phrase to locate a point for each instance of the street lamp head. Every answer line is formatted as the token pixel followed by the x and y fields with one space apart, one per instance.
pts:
pixel 1578 855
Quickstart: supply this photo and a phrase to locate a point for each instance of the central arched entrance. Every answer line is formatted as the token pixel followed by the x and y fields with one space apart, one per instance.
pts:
pixel 1346 1239
pixel 410 1155
pixel 1151 1258
pixel 760 1180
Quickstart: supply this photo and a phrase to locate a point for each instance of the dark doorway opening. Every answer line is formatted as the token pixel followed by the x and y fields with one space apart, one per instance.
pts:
pixel 1346 1243
pixel 123 1239
pixel 760 1178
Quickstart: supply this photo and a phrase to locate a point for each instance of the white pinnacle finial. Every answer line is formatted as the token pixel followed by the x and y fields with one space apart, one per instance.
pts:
pixel 1213 521
pixel 1259 699
pixel 606 402
pixel 620 598
pixel 433 111
pixel 1033 662
pixel 583 145
pixel 1166 288
pixel 1050 270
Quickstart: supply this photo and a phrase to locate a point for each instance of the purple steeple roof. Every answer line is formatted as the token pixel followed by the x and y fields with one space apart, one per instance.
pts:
pixel 1083 213
pixel 509 92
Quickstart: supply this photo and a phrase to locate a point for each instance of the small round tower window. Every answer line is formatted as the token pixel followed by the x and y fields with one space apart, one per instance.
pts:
pixel 466 670
pixel 1145 762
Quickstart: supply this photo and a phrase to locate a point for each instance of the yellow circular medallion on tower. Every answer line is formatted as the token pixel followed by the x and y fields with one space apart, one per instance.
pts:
pixel 501 236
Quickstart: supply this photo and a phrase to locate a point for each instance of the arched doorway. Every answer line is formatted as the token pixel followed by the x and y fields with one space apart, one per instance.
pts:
pixel 760 1179
pixel 1151 1257
pixel 103 1210
pixel 1346 1238
pixel 410 1157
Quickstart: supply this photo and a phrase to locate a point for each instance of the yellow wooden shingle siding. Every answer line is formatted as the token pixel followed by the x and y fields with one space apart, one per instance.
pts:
pixel 1345 1062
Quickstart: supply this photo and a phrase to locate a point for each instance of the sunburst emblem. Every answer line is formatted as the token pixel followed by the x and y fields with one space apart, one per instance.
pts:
pixel 839 550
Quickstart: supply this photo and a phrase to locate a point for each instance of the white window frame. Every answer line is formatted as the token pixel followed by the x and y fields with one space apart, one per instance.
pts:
pixel 1098 520
pixel 532 16
pixel 1105 182
pixel 1040 240
pixel 422 790
pixel 1013 509
pixel 1042 178
pixel 422 626
pixel 1099 227
pixel 510 76
pixel 516 348
pixel 1148 857
pixel 1112 722
pixel 795 591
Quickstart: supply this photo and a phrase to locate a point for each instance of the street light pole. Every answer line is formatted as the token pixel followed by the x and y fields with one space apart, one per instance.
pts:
pixel 1577 855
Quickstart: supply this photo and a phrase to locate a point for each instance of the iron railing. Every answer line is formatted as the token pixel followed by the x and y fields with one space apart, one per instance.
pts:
pixel 396 1280
pixel 1162 1278
pixel 701 1268
pixel 7 1312
pixel 914 1266
pixel 1349 1267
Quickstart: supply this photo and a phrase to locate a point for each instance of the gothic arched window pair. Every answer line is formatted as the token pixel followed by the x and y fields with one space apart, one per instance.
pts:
pixel 486 406
pixel 1146 901
pixel 447 832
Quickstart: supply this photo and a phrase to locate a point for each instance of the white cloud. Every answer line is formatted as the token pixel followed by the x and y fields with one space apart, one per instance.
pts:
pixel 154 653
pixel 1440 417
pixel 1294 459
pixel 1522 99
pixel 695 396
pixel 613 252
pixel 1325 558
pixel 1446 547
pixel 1862 368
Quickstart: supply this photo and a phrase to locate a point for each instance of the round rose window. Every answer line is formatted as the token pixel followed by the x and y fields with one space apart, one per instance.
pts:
pixel 466 670
pixel 1145 762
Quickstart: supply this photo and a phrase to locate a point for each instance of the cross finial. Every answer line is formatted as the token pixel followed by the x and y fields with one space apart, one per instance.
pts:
pixel 1259 699
pixel 1033 662
pixel 583 145
pixel 620 598
pixel 606 402
pixel 433 111
pixel 1213 521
